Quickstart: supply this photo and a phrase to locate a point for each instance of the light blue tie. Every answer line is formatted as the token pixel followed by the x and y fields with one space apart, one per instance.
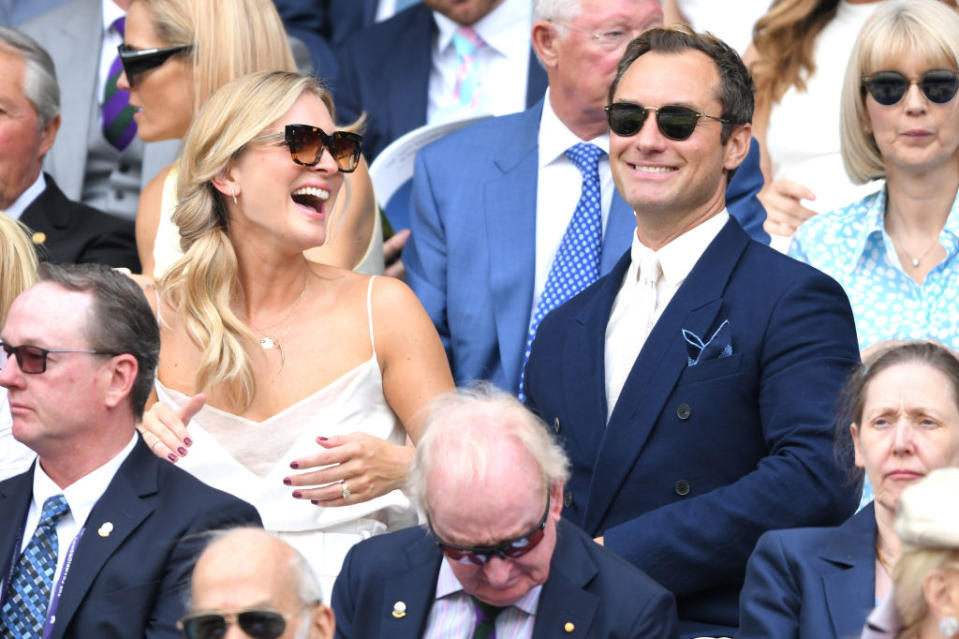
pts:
pixel 28 596
pixel 403 4
pixel 576 264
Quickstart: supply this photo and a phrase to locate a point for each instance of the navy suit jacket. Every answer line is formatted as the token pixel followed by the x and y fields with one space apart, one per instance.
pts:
pixel 811 583
pixel 603 596
pixel 132 582
pixel 471 257
pixel 697 461
pixel 385 72
pixel 75 232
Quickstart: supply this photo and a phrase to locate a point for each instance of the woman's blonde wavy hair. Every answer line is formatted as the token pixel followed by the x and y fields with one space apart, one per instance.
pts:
pixel 909 576
pixel 202 283
pixel 230 38
pixel 18 263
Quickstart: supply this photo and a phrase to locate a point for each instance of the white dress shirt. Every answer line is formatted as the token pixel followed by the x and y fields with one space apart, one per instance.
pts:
pixel 676 260
pixel 81 496
pixel 452 614
pixel 26 198
pixel 503 64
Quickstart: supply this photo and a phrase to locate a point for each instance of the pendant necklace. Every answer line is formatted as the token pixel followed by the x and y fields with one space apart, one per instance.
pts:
pixel 268 342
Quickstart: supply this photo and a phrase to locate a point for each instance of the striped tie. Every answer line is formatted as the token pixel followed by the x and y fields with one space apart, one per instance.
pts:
pixel 118 126
pixel 465 42
pixel 486 614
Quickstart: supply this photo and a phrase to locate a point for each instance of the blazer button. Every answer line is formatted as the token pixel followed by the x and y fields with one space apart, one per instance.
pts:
pixel 568 499
pixel 682 488
pixel 683 411
pixel 556 427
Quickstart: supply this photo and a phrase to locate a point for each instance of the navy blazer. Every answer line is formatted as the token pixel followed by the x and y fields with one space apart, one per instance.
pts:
pixel 601 595
pixel 471 257
pixel 74 232
pixel 811 583
pixel 697 461
pixel 385 72
pixel 133 581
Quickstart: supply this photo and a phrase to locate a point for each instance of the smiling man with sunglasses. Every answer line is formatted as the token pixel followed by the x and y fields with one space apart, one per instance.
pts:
pixel 693 386
pixel 494 559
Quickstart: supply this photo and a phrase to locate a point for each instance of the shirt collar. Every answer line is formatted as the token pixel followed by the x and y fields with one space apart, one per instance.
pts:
pixel 110 13
pixel 679 257
pixel 26 198
pixel 447 585
pixel 81 495
pixel 555 137
pixel 506 28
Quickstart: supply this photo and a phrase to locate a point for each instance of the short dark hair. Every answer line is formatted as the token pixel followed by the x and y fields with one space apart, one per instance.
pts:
pixel 736 85
pixel 120 321
pixel 853 397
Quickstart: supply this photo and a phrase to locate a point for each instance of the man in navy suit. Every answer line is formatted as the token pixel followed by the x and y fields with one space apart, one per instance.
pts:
pixel 693 387
pixel 400 71
pixel 491 201
pixel 490 480
pixel 99 537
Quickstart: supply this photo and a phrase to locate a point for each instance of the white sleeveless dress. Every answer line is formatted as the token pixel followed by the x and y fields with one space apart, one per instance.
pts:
pixel 249 459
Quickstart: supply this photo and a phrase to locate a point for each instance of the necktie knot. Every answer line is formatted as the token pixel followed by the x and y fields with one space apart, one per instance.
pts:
pixel 466 41
pixel 486 615
pixel 649 269
pixel 53 509
pixel 586 158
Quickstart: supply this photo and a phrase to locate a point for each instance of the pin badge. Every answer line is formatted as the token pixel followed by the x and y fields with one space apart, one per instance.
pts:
pixel 399 610
pixel 105 529
pixel 39 237
pixel 569 627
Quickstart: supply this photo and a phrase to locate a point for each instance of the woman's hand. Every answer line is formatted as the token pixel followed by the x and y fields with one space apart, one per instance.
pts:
pixel 164 429
pixel 784 213
pixel 357 467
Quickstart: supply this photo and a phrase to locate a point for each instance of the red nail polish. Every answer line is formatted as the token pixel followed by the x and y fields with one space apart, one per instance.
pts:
pixel 172 457
pixel 294 465
pixel 287 481
pixel 297 494
pixel 322 439
pixel 315 502
pixel 181 450
pixel 188 441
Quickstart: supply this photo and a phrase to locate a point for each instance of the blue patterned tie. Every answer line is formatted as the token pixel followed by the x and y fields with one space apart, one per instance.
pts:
pixel 28 596
pixel 576 264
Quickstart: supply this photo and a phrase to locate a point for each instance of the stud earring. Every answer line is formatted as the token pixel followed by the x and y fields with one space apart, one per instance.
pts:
pixel 949 627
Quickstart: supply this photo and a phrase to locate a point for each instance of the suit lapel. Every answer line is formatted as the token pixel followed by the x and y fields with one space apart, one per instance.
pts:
pixel 124 506
pixel 49 212
pixel 408 74
pixel 620 228
pixel 15 496
pixel 848 587
pixel 662 360
pixel 564 599
pixel 415 587
pixel 509 211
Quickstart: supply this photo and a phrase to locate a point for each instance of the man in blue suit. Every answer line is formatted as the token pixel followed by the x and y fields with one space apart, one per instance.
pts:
pixel 99 537
pixel 491 201
pixel 693 387
pixel 392 70
pixel 490 480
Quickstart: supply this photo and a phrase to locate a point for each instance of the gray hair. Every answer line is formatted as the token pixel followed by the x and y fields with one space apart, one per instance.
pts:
pixel 121 320
pixel 466 427
pixel 39 75
pixel 559 10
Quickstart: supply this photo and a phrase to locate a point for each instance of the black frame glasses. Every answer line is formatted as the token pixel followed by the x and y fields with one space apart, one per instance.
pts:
pixel 258 623
pixel 32 360
pixel 675 122
pixel 307 142
pixel 137 61
pixel 889 87
pixel 510 549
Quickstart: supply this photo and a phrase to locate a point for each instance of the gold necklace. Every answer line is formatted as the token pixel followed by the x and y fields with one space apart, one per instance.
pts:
pixel 882 559
pixel 270 342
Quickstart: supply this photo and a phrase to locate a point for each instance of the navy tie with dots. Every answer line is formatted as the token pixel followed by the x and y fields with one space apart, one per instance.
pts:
pixel 576 264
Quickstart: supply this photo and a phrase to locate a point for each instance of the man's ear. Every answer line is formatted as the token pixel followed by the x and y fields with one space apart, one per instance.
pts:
pixel 737 146
pixel 545 40
pixel 122 374
pixel 48 134
pixel 322 623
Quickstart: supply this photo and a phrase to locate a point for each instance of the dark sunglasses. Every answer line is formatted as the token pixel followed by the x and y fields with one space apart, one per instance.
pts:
pixel 307 142
pixel 136 61
pixel 674 122
pixel 33 359
pixel 888 87
pixel 510 549
pixel 259 624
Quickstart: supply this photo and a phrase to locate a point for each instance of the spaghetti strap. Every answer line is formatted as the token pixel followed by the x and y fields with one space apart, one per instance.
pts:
pixel 369 312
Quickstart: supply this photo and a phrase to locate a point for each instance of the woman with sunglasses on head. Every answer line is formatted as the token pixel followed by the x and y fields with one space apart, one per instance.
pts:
pixel 900 415
pixel 176 53
pixel 308 373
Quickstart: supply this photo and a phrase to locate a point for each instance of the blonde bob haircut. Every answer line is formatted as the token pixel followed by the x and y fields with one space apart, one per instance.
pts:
pixel 230 38
pixel 928 29
pixel 18 263
pixel 202 283
pixel 909 577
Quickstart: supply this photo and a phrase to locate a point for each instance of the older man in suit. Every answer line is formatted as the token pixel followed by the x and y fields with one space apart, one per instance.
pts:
pixel 99 537
pixel 693 386
pixel 62 230
pixel 497 560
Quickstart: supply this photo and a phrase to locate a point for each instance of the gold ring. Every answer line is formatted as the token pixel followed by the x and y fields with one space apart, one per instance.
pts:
pixel 346 491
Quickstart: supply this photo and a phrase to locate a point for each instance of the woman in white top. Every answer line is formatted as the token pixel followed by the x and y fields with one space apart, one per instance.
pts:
pixel 312 377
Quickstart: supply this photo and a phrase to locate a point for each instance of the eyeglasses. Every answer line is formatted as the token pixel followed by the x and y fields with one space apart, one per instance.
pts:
pixel 512 548
pixel 136 61
pixel 33 359
pixel 674 122
pixel 611 38
pixel 259 624
pixel 307 142
pixel 888 87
